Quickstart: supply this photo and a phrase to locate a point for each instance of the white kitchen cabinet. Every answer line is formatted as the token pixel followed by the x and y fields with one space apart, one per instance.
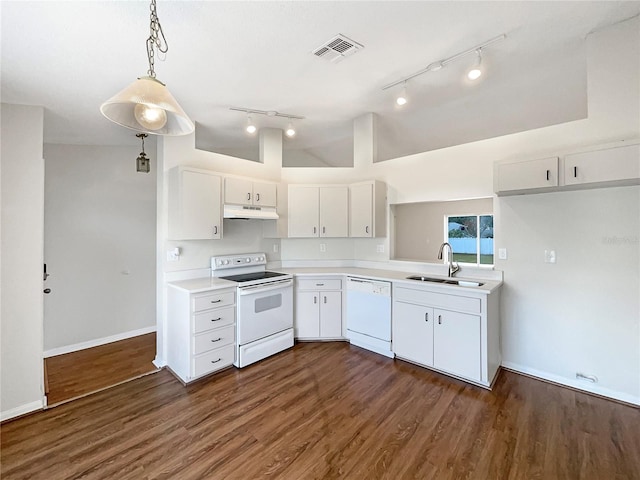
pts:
pixel 318 211
pixel 194 203
pixel 200 331
pixel 412 332
pixel 456 332
pixel 456 344
pixel 318 308
pixel 367 209
pixel 242 191
pixel 619 165
pixel 531 175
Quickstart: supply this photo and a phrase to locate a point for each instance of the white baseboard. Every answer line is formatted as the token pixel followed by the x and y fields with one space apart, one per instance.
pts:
pixel 98 341
pixel 21 410
pixel 578 385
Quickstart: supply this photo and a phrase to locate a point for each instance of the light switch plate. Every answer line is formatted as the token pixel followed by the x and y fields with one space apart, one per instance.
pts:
pixel 380 248
pixel 323 247
pixel 549 256
pixel 502 253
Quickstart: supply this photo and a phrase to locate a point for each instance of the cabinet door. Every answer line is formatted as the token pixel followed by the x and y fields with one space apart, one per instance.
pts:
pixel 527 175
pixel 456 344
pixel 413 332
pixel 330 314
pixel 196 212
pixel 307 315
pixel 612 164
pixel 265 194
pixel 334 211
pixel 303 211
pixel 238 191
pixel 361 211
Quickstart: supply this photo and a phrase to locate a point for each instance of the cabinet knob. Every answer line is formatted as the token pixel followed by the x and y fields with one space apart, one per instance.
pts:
pixel 47 290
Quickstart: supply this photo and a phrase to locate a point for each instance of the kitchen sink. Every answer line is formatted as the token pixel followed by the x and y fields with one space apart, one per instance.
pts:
pixel 462 283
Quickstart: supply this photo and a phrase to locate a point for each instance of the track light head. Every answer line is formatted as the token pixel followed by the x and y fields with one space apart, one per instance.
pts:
pixel 290 131
pixel 476 70
pixel 251 128
pixel 402 98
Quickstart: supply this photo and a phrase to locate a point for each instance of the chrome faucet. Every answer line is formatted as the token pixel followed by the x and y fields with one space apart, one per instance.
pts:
pixel 453 267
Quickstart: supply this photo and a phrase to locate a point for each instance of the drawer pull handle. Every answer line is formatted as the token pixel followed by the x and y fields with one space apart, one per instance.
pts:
pixel 315 299
pixel 366 229
pixel 216 319
pixel 548 175
pixel 216 361
pixel 319 284
pixel 257 197
pixel 216 301
pixel 325 299
pixel 216 340
pixel 575 172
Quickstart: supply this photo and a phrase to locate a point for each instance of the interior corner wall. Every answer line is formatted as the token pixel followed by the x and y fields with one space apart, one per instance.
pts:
pixel 21 303
pixel 100 235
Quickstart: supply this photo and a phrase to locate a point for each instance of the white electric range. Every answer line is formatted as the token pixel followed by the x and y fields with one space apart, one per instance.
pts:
pixel 264 306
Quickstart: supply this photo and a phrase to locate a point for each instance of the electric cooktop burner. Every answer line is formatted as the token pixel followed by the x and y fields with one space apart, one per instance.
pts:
pixel 249 277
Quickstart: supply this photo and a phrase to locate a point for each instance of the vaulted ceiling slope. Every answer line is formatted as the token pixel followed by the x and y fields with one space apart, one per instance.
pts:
pixel 71 56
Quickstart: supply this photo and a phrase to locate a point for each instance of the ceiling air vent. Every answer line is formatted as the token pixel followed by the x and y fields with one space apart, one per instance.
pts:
pixel 337 48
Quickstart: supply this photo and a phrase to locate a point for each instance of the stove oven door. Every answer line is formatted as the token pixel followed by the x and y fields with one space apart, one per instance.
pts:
pixel 264 310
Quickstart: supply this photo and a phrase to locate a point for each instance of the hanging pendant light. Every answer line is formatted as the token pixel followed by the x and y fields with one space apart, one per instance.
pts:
pixel 142 162
pixel 147 105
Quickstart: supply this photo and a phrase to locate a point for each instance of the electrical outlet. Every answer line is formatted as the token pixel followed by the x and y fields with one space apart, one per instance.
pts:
pixel 275 248
pixel 502 253
pixel 380 248
pixel 323 247
pixel 173 255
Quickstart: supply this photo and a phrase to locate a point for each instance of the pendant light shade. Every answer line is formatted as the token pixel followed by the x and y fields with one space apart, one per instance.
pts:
pixel 147 106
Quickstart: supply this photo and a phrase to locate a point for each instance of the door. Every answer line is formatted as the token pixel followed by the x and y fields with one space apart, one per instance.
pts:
pixel 330 314
pixel 307 324
pixel 413 332
pixel 456 343
pixel 621 163
pixel 238 191
pixel 200 207
pixel 527 175
pixel 303 211
pixel 264 310
pixel 361 214
pixel 265 194
pixel 334 211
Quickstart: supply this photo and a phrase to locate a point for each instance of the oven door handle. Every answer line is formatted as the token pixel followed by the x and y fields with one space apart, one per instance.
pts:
pixel 265 288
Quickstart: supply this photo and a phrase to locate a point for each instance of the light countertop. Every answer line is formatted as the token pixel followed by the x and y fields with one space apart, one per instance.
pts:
pixel 205 284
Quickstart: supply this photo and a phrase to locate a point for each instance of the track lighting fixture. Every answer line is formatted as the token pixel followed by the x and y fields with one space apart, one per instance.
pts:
pixel 142 162
pixel 472 74
pixel 251 128
pixel 402 98
pixel 476 71
pixel 147 105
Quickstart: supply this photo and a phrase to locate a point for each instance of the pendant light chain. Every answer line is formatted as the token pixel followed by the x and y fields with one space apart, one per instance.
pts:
pixel 156 39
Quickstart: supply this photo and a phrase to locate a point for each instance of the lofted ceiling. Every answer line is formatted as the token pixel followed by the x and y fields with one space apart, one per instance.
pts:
pixel 70 56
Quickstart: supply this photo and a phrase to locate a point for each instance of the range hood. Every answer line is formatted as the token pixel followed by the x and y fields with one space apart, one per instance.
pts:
pixel 247 212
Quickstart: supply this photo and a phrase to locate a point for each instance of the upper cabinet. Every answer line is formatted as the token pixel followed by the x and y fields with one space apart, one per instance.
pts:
pixel 194 201
pixel 602 166
pixel 610 166
pixel 367 209
pixel 242 191
pixel 530 175
pixel 318 211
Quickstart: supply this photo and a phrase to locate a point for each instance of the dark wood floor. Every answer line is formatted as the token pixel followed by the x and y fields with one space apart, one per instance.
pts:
pixel 85 371
pixel 327 410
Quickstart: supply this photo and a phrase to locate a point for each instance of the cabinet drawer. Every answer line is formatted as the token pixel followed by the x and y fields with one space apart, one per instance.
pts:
pixel 212 339
pixel 213 360
pixel 214 319
pixel 320 284
pixel 432 299
pixel 206 301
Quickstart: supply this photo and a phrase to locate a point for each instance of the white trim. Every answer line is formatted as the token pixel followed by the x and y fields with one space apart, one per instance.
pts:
pixel 98 341
pixel 22 410
pixel 578 385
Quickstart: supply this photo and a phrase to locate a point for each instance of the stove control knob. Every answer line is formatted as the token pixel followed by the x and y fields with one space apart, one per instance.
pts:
pixel 248 260
pixel 262 259
pixel 257 259
pixel 225 262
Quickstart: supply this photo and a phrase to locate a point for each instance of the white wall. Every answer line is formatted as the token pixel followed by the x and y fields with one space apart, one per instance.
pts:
pixel 22 199
pixel 100 233
pixel 466 171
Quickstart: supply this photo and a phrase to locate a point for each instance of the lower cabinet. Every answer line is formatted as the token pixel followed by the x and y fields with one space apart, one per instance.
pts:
pixel 201 332
pixel 318 308
pixel 428 330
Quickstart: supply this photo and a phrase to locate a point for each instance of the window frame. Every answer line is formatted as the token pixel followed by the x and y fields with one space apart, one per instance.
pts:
pixel 478 254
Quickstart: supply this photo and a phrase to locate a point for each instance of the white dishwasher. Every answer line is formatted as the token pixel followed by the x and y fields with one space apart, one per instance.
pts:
pixel 369 314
